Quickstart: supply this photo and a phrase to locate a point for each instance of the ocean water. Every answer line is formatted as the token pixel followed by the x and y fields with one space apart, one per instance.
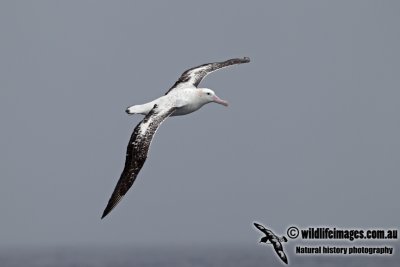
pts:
pixel 191 256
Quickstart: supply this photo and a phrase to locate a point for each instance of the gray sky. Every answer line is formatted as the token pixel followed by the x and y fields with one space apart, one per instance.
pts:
pixel 311 136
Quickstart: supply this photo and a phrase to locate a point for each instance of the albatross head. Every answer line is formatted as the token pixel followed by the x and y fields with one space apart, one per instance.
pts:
pixel 208 96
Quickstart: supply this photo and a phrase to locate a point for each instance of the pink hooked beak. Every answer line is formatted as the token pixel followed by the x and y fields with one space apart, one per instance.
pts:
pixel 220 101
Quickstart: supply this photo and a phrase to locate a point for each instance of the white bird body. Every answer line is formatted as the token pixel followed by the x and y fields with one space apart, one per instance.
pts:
pixel 186 100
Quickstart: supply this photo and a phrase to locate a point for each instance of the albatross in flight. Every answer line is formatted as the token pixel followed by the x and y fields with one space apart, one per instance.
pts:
pixel 182 98
pixel 274 240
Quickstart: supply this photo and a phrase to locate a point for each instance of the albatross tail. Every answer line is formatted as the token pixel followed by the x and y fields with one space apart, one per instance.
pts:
pixel 139 109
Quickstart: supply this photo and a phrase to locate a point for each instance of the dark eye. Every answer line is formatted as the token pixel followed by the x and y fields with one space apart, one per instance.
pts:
pixel 208 93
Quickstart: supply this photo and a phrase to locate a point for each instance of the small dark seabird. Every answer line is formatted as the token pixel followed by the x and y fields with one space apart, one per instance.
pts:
pixel 182 98
pixel 274 240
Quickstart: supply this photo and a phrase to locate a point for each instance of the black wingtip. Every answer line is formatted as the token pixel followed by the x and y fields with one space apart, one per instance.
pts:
pixel 104 215
pixel 246 59
pixel 112 203
pixel 106 212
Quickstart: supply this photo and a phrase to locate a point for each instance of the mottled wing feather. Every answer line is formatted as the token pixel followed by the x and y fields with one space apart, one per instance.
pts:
pixel 261 228
pixel 281 254
pixel 136 153
pixel 192 77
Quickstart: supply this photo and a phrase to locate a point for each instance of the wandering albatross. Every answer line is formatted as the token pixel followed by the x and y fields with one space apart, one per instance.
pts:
pixel 274 240
pixel 182 98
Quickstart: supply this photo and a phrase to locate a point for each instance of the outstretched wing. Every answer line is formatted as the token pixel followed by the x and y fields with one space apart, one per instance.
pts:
pixel 279 250
pixel 263 229
pixel 136 153
pixel 192 77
